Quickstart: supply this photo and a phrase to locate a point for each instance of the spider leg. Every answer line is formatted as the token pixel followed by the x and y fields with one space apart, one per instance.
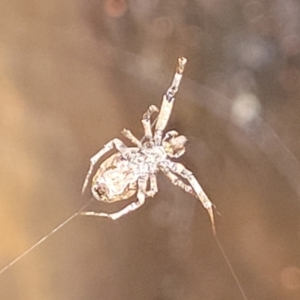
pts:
pixel 168 101
pixel 118 144
pixel 153 186
pixel 141 196
pixel 200 194
pixel 177 181
pixel 129 135
pixel 147 123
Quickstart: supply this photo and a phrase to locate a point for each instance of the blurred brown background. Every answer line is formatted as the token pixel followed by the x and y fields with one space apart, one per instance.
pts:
pixel 74 73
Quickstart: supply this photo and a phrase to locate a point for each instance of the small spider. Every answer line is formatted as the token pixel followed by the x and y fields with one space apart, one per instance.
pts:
pixel 128 171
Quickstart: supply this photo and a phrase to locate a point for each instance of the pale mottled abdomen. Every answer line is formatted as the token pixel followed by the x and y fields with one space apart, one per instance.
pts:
pixel 115 180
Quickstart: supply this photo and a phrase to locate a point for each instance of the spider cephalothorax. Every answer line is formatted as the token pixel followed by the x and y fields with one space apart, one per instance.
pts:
pixel 128 171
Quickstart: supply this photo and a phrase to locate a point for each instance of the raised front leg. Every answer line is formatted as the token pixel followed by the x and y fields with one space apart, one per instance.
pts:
pixel 201 195
pixel 146 121
pixel 168 101
pixel 141 196
pixel 118 144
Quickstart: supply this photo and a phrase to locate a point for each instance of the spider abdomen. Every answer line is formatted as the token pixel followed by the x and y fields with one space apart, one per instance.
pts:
pixel 114 180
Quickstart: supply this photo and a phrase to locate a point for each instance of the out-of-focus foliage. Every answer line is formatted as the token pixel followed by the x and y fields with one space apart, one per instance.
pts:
pixel 74 73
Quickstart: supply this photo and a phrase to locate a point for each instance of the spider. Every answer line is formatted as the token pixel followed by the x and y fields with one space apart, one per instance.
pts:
pixel 128 171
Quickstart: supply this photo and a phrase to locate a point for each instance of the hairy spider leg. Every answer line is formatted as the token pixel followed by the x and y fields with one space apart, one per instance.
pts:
pixel 177 181
pixel 129 135
pixel 117 143
pixel 168 101
pixel 141 196
pixel 146 121
pixel 147 127
pixel 188 175
pixel 153 186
